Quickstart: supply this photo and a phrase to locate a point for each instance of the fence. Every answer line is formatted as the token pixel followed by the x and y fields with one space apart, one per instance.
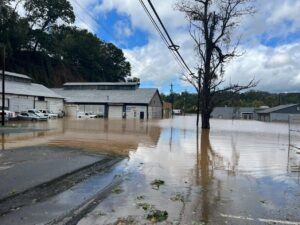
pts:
pixel 294 143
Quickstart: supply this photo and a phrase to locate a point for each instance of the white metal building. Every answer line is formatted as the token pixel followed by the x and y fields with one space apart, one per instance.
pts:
pixel 112 100
pixel 21 94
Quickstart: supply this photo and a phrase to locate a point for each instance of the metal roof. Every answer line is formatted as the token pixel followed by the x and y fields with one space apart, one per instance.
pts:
pixel 101 84
pixel 28 89
pixel 138 96
pixel 16 75
pixel 279 107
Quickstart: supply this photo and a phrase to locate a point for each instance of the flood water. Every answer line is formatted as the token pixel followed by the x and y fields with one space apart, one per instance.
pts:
pixel 239 172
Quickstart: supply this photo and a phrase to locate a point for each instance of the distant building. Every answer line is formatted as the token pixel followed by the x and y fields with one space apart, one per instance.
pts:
pixel 279 113
pixel 177 111
pixel 112 100
pixel 246 113
pixel 21 94
pixel 167 108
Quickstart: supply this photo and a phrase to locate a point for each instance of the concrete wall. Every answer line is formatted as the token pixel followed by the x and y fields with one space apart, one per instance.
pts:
pixel 41 105
pixel 55 105
pixel 20 103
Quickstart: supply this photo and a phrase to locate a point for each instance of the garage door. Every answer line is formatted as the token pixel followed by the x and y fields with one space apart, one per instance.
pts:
pixel 115 111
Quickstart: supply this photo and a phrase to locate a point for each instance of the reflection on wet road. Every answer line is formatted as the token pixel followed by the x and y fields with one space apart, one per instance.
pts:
pixel 240 172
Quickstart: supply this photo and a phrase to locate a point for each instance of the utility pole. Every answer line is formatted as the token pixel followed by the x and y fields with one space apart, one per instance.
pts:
pixel 184 99
pixel 172 99
pixel 3 86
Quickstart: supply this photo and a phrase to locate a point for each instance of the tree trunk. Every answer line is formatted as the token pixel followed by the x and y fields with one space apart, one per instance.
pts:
pixel 205 111
pixel 198 108
pixel 205 120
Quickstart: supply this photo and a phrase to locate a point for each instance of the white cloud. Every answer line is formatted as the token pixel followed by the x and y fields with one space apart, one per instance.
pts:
pixel 276 67
pixel 172 18
pixel 278 60
pixel 276 72
pixel 122 29
pixel 85 16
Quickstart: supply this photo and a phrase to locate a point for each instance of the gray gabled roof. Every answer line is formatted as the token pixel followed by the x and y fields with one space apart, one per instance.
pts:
pixel 138 96
pixel 274 109
pixel 16 75
pixel 28 89
pixel 101 83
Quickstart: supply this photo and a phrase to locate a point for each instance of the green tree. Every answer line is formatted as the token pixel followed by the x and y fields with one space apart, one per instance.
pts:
pixel 114 62
pixel 44 14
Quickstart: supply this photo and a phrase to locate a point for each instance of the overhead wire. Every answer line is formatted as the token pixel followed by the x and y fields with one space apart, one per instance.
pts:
pixel 99 25
pixel 177 56
pixel 172 47
pixel 161 34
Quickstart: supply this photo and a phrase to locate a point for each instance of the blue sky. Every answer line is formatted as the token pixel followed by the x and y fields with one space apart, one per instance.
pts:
pixel 271 42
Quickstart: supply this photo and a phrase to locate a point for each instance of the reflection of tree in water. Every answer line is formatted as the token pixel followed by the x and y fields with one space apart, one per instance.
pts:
pixel 205 175
pixel 209 161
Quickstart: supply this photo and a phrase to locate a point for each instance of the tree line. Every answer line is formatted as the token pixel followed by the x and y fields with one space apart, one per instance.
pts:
pixel 188 101
pixel 44 44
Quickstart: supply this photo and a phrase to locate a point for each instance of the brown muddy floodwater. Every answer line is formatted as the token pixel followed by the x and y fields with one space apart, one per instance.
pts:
pixel 241 172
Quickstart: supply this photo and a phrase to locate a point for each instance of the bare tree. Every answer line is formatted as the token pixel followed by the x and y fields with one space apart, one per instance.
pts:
pixel 212 23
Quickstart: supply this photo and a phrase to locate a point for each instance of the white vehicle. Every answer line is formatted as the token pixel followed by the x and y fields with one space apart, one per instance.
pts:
pixel 38 113
pixel 9 114
pixel 85 115
pixel 31 117
pixel 50 114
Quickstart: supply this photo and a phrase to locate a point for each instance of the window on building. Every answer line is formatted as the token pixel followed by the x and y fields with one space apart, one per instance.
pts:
pixel 41 98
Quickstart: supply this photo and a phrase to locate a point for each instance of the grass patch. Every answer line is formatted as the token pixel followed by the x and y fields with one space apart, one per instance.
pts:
pixel 156 215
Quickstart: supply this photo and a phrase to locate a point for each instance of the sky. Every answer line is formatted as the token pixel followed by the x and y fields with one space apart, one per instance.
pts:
pixel 270 42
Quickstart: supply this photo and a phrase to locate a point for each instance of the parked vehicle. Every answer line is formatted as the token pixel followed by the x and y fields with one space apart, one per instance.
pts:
pixel 85 115
pixel 35 111
pixel 49 114
pixel 8 115
pixel 38 113
pixel 31 117
pixel 100 115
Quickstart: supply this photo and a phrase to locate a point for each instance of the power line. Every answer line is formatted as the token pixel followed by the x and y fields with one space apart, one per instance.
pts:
pixel 161 34
pixel 177 58
pixel 101 26
pixel 94 19
pixel 172 46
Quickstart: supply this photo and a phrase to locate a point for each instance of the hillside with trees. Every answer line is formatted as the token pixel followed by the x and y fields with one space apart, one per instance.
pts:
pixel 45 45
pixel 188 101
